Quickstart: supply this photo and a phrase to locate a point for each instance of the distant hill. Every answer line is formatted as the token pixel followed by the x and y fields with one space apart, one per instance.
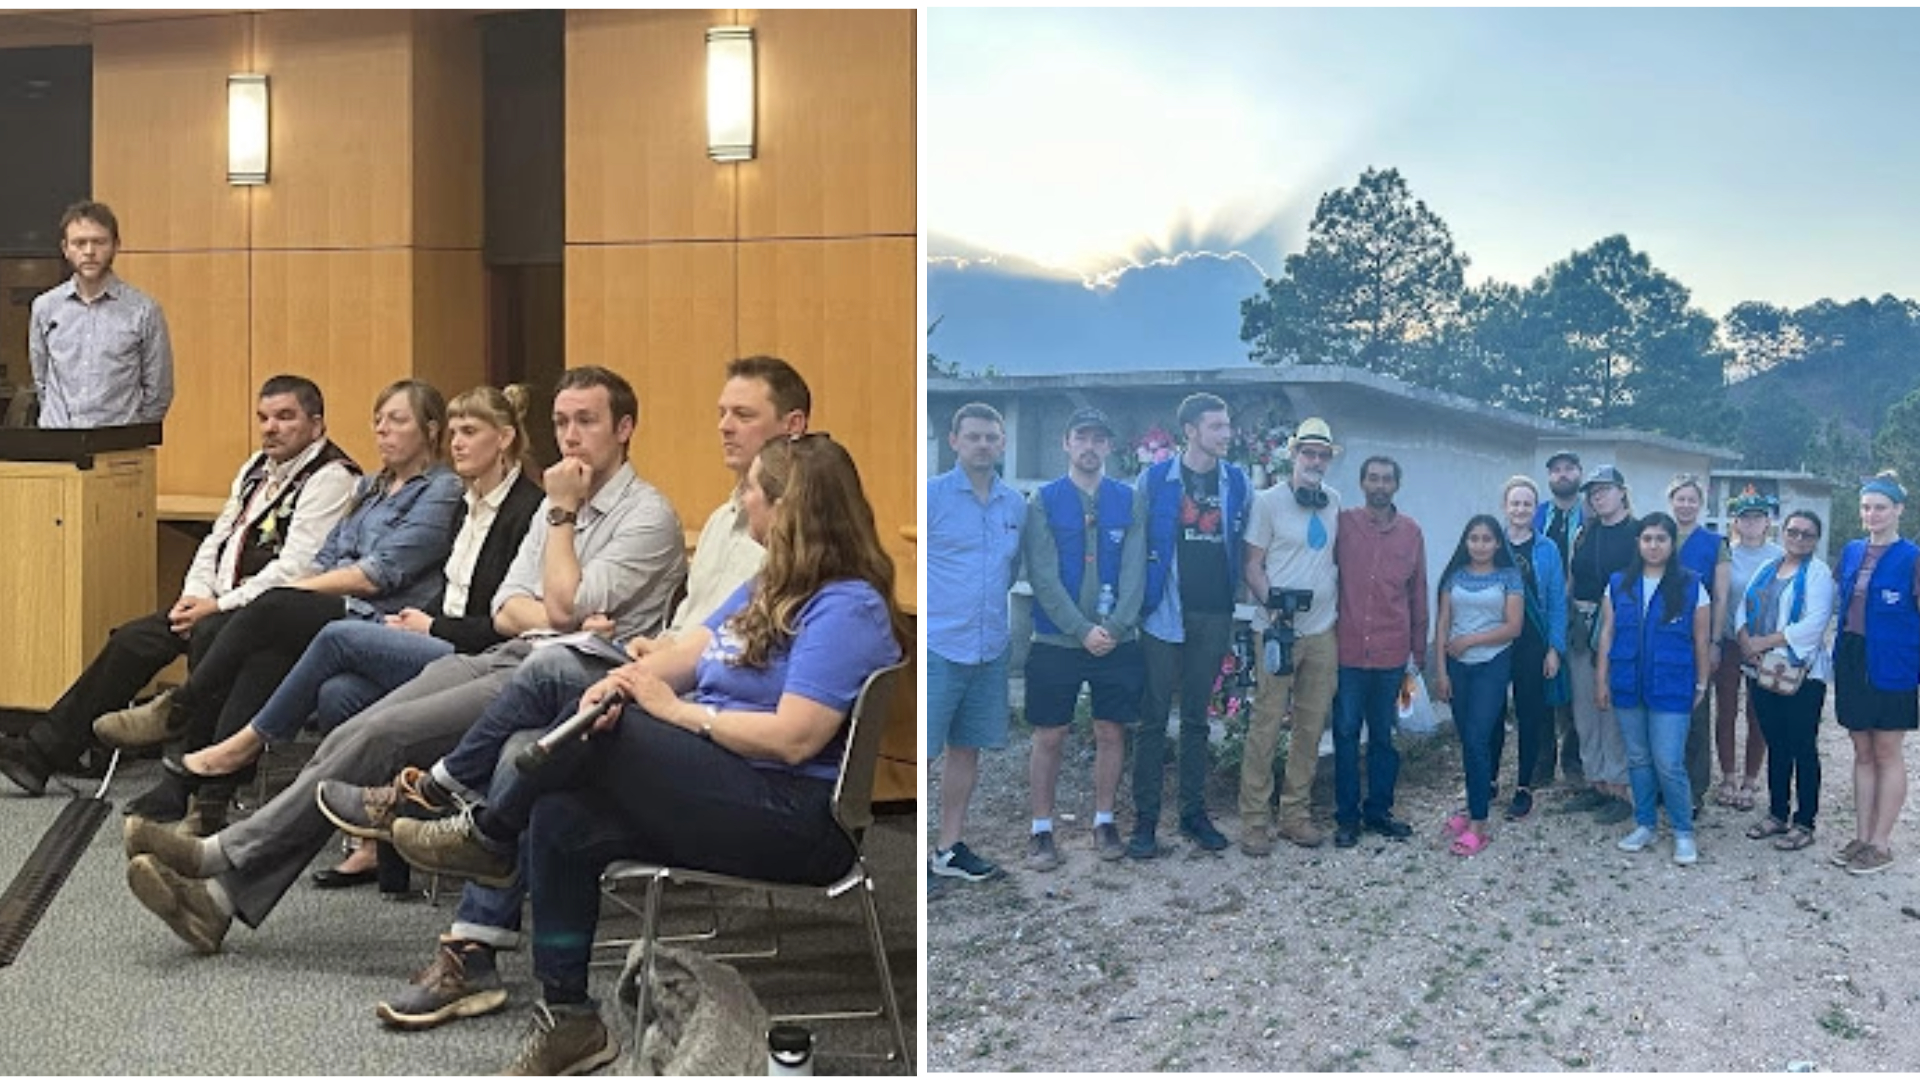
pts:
pixel 1022 319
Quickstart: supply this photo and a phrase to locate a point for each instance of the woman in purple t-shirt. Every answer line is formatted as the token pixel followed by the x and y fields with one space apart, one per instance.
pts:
pixel 726 759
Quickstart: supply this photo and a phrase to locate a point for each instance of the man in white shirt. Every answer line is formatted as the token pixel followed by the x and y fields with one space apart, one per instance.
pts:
pixel 282 504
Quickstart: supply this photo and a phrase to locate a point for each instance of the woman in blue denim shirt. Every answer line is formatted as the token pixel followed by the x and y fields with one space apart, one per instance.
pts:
pixel 386 554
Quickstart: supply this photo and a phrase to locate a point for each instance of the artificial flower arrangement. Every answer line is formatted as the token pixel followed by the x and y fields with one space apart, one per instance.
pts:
pixel 1260 446
pixel 1152 447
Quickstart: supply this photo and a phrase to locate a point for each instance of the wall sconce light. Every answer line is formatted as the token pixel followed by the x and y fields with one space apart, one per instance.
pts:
pixel 730 93
pixel 247 129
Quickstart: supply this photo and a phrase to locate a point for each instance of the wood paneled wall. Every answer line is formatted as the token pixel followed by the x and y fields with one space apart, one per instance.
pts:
pixel 675 265
pixel 357 264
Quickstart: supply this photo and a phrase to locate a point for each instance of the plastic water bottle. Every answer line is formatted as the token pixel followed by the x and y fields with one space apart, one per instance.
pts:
pixel 1105 607
pixel 1273 655
pixel 789 1050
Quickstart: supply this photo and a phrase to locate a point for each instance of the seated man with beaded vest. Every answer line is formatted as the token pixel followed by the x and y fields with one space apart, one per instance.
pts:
pixel 281 506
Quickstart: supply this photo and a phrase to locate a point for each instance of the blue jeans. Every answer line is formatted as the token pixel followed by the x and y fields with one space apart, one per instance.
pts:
pixel 1479 705
pixel 349 665
pixel 1370 696
pixel 1656 745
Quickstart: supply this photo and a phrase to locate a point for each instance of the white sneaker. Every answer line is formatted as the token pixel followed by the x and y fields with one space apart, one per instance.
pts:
pixel 1637 840
pixel 1684 852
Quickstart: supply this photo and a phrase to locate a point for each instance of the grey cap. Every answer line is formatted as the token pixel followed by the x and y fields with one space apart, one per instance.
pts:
pixel 1563 455
pixel 1086 418
pixel 1605 474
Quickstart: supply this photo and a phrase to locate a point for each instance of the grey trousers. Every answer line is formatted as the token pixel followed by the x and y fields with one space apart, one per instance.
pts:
pixel 414 725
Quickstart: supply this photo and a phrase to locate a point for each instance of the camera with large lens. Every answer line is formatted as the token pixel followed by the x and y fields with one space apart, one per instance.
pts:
pixel 1282 605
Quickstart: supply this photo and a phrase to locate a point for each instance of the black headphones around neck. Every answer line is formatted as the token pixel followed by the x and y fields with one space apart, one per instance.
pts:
pixel 1311 498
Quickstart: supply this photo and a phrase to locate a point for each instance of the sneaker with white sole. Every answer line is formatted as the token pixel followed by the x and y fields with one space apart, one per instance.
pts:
pixel 1637 840
pixel 461 981
pixel 959 861
pixel 1684 851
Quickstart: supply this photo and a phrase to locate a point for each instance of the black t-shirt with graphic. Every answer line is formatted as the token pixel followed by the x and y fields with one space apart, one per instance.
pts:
pixel 1202 543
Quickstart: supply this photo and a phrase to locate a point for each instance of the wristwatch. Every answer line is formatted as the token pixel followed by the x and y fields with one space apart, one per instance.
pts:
pixel 557 517
pixel 706 726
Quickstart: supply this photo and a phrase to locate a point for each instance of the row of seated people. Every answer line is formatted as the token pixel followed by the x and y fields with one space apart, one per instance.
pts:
pixel 737 712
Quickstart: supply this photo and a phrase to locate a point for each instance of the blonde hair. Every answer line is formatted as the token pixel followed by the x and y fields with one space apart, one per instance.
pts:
pixel 501 410
pixel 1519 481
pixel 822 532
pixel 1686 480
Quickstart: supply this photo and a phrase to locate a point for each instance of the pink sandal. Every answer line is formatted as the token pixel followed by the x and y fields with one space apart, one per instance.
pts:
pixel 1457 824
pixel 1469 843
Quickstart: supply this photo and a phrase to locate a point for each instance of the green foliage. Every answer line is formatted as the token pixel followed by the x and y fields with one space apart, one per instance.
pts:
pixel 937 368
pixel 1379 282
pixel 1897 444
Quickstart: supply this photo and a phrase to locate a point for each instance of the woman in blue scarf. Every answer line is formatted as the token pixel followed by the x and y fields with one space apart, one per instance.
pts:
pixel 1785 609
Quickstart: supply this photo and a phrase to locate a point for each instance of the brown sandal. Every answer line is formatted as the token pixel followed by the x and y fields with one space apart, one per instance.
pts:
pixel 1772 826
pixel 1727 795
pixel 1744 799
pixel 1794 839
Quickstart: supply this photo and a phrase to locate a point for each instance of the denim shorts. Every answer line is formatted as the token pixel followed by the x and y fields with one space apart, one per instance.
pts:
pixel 1115 681
pixel 966 704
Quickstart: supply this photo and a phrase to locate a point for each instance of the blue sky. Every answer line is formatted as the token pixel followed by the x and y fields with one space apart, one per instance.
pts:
pixel 1754 154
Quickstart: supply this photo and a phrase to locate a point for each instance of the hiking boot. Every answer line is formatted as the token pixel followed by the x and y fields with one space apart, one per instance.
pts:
pixel 1390 827
pixel 171 847
pixel 1637 840
pixel 1106 843
pixel 1346 834
pixel 1302 832
pixel 1254 841
pixel 454 846
pixel 142 725
pixel 1144 845
pixel 1201 831
pixel 1845 855
pixel 462 981
pixel 186 906
pixel 1684 851
pixel 1584 800
pixel 1041 854
pixel 1616 811
pixel 1869 860
pixel 369 812
pixel 959 861
pixel 563 1040
pixel 24 764
pixel 1521 806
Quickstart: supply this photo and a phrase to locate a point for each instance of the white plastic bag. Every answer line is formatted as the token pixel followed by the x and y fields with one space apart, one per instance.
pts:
pixel 1416 708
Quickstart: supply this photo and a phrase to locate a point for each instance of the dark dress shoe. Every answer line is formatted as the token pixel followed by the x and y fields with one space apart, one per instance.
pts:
pixel 1346 835
pixel 193 781
pixel 1202 832
pixel 334 879
pixel 1390 827
pixel 22 763
pixel 165 801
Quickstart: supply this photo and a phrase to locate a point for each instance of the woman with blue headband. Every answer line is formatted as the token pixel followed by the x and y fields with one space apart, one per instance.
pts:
pixel 1876 662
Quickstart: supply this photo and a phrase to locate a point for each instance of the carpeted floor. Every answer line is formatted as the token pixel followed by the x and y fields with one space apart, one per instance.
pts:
pixel 103 987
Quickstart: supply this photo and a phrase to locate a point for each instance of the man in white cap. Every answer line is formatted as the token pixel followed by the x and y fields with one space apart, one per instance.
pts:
pixel 1291 577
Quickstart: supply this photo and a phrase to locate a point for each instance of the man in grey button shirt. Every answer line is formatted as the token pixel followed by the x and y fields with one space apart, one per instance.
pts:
pixel 98 346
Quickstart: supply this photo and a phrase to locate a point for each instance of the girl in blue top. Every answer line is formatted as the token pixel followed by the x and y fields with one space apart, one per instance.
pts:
pixel 727 758
pixel 1477 617
pixel 1651 668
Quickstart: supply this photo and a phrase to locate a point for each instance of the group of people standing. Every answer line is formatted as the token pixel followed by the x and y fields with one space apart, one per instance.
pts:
pixel 1620 643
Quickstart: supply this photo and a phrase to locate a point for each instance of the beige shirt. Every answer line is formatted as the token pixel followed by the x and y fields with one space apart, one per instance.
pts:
pixel 725 557
pixel 481 512
pixel 1285 530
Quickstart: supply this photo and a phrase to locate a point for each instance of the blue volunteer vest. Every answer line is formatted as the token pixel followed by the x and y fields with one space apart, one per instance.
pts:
pixel 1114 514
pixel 1893 618
pixel 1701 553
pixel 1651 662
pixel 1162 481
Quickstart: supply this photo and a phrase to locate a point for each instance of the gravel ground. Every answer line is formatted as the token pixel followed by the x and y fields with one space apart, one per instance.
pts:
pixel 1551 950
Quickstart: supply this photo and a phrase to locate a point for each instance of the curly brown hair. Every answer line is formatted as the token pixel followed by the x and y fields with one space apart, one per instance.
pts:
pixel 822 532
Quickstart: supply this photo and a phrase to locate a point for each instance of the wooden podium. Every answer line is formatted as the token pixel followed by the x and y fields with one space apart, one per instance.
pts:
pixel 77 551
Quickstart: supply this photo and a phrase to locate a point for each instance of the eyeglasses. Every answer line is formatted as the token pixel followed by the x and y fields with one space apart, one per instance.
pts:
pixel 1800 534
pixel 1314 453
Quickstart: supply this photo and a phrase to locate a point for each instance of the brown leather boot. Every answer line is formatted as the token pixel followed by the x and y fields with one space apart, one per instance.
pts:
pixel 1302 832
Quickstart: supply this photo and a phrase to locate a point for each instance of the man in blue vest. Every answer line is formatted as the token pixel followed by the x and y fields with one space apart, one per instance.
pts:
pixel 972 554
pixel 1194 509
pixel 1087 562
